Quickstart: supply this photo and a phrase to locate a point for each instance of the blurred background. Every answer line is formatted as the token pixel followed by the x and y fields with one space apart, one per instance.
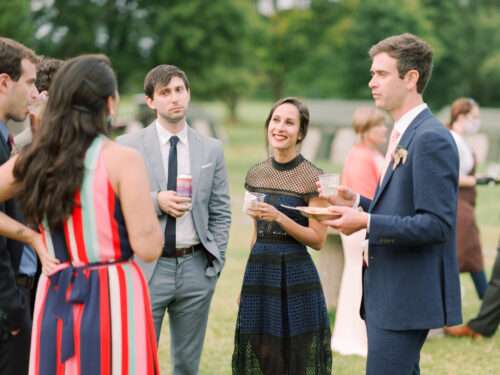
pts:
pixel 240 56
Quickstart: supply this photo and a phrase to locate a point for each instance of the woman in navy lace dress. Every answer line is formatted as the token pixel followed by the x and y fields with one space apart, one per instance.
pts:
pixel 282 326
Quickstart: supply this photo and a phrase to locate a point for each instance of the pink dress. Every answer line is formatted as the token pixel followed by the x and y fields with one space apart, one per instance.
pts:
pixel 361 173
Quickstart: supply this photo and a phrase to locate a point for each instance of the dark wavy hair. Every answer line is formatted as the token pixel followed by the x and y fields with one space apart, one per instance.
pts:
pixel 50 171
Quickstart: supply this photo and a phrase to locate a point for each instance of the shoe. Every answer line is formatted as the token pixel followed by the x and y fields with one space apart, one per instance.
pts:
pixel 461 331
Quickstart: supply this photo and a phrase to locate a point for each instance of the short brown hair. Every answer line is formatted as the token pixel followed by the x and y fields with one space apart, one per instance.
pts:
pixel 365 118
pixel 45 71
pixel 411 52
pixel 11 55
pixel 461 106
pixel 303 114
pixel 161 75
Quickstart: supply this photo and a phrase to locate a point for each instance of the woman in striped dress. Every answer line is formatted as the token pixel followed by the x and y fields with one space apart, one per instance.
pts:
pixel 87 196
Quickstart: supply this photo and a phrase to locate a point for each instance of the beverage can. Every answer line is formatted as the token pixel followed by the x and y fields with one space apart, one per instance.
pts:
pixel 184 187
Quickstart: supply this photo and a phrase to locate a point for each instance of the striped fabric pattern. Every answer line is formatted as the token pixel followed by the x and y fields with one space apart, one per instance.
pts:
pixel 109 321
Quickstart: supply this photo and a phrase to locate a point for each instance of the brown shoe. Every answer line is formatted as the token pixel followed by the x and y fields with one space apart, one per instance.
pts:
pixel 461 331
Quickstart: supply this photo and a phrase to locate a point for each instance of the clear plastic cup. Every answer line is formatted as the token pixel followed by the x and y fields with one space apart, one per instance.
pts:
pixel 251 199
pixel 329 183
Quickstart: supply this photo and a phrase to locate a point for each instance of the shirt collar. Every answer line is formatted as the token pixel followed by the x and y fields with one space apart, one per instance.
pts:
pixel 4 131
pixel 404 122
pixel 164 135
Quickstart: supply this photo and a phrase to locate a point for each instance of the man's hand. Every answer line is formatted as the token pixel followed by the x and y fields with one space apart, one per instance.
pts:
pixel 344 196
pixel 351 220
pixel 172 204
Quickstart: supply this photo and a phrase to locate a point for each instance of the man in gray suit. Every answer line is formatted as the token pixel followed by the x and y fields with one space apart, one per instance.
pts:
pixel 182 281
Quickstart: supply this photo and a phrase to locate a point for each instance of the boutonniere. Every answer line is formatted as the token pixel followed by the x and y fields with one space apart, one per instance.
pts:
pixel 399 157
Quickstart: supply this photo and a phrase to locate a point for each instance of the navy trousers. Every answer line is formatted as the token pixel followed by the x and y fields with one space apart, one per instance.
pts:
pixel 393 352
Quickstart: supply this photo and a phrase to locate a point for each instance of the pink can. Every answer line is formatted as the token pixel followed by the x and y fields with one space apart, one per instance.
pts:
pixel 184 187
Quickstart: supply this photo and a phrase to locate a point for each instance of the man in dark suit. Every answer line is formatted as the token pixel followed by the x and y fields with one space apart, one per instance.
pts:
pixel 410 279
pixel 17 91
pixel 487 320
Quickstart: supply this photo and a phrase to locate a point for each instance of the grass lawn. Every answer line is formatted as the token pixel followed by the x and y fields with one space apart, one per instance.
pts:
pixel 441 355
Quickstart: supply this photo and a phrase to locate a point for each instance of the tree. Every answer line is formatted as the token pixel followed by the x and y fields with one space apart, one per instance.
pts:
pixel 364 24
pixel 16 21
pixel 209 40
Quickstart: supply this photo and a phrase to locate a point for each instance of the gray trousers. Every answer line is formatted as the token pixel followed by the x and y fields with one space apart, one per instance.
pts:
pixel 180 286
pixel 488 319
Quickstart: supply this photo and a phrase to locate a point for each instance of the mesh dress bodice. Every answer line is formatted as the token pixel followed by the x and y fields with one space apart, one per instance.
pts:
pixel 290 184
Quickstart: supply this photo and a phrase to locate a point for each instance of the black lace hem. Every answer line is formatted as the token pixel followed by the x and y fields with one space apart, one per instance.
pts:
pixel 263 354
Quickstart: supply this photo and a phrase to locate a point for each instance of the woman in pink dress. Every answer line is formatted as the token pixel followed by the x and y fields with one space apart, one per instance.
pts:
pixel 361 173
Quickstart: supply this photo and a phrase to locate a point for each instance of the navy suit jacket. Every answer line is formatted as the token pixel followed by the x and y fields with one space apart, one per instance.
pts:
pixel 12 302
pixel 412 281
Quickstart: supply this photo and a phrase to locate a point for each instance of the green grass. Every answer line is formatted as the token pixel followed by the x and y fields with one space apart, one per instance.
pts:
pixel 441 355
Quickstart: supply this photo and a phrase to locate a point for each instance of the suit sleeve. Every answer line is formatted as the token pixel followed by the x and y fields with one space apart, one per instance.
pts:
pixel 127 140
pixel 219 211
pixel 435 185
pixel 364 203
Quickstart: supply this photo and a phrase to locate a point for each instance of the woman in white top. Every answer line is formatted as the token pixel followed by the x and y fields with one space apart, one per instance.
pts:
pixel 361 173
pixel 465 119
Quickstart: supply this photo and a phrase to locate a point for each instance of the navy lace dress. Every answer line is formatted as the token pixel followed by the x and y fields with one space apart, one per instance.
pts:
pixel 282 326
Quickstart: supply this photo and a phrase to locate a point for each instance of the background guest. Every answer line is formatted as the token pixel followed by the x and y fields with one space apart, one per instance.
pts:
pixel 487 320
pixel 361 173
pixel 465 119
pixel 45 71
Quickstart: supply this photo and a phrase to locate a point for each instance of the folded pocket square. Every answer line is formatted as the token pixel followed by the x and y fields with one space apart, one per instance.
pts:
pixel 206 165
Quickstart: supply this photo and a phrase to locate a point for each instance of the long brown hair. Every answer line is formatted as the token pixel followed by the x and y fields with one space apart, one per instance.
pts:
pixel 50 171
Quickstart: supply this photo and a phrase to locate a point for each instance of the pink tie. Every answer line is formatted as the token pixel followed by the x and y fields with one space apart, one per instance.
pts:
pixel 393 142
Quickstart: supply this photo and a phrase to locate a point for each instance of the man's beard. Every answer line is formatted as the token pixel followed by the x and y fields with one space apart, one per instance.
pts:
pixel 175 119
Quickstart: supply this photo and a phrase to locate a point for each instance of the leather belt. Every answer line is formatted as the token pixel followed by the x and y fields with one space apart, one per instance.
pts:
pixel 25 281
pixel 183 251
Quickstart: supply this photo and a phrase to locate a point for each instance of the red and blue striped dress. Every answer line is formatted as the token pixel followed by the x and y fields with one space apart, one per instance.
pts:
pixel 93 316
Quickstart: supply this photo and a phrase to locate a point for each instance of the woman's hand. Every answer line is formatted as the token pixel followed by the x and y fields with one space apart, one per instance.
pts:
pixel 265 211
pixel 49 263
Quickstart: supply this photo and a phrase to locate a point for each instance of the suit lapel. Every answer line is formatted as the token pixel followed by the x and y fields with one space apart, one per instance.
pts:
pixel 154 156
pixel 404 143
pixel 195 158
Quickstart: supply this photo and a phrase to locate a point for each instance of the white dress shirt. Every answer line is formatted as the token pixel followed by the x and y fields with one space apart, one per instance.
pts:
pixel 465 155
pixel 185 233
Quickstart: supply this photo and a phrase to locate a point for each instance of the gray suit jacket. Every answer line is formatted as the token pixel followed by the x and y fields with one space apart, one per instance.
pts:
pixel 211 203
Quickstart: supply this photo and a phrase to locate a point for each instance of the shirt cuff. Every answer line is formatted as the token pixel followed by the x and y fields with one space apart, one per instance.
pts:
pixel 368 224
pixel 358 199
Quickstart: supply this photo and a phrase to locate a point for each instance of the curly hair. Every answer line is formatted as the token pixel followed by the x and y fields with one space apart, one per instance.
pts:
pixel 45 72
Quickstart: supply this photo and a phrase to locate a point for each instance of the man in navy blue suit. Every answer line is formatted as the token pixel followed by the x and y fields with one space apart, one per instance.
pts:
pixel 410 278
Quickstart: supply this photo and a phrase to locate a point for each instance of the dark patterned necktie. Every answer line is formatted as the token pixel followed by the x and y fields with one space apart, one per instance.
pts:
pixel 169 247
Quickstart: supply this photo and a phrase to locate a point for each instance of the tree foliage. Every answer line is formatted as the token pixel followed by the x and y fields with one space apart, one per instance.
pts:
pixel 230 51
